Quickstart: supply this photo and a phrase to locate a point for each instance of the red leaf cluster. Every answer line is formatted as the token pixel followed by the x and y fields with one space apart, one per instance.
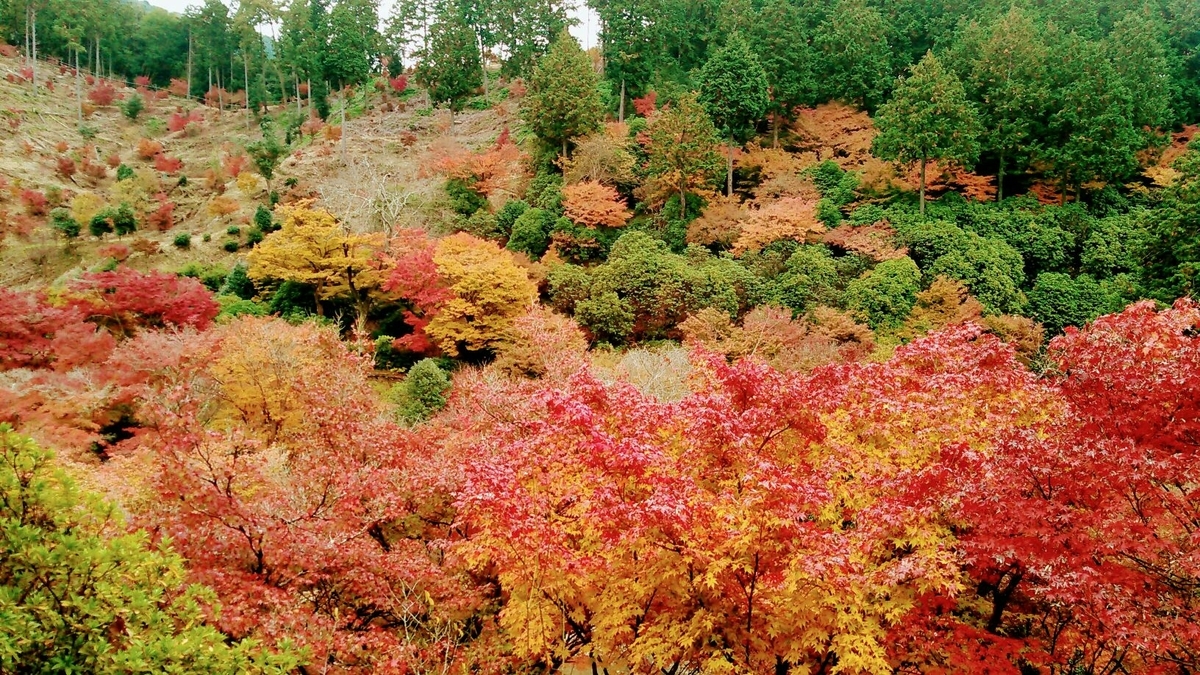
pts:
pixel 646 105
pixel 35 202
pixel 102 94
pixel 399 83
pixel 167 164
pixel 125 301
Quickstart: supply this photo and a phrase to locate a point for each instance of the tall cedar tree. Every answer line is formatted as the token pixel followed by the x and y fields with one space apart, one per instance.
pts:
pixel 354 42
pixel 451 68
pixel 928 118
pixel 564 96
pixel 1006 76
pixel 779 39
pixel 1092 136
pixel 1138 52
pixel 631 46
pixel 683 147
pixel 733 90
pixel 854 55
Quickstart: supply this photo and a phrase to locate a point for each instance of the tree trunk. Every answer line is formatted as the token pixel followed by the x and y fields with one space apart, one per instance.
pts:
pixel 1000 179
pixel 220 92
pixel 344 134
pixel 483 67
pixel 309 97
pixel 729 171
pixel 298 110
pixel 1062 188
pixel 33 64
pixel 78 91
pixel 621 110
pixel 564 154
pixel 775 122
pixel 246 80
pixel 923 161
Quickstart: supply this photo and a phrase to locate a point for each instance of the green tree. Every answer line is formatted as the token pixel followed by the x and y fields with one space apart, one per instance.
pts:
pixel 733 90
pixel 1138 51
pixel 79 593
pixel 267 152
pixel 422 393
pixel 884 296
pixel 779 37
pixel 929 117
pixel 564 96
pixel 683 148
pixel 1091 135
pixel 854 59
pixel 1005 76
pixel 354 41
pixel 632 46
pixel 451 68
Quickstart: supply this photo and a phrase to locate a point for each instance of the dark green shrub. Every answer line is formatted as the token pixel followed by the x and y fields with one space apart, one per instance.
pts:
pixel 233 231
pixel 61 220
pixel 124 173
pixel 531 232
pixel 508 215
pixel 238 283
pixel 133 107
pixel 231 245
pixel 422 393
pixel 463 197
pixel 183 240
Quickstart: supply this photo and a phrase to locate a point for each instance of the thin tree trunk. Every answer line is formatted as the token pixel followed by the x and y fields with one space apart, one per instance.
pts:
pixel 1000 179
pixel 564 154
pixel 78 91
pixel 483 67
pixel 246 80
pixel 33 64
pixel 220 92
pixel 682 202
pixel 342 96
pixel 923 161
pixel 298 110
pixel 1062 188
pixel 621 110
pixel 189 79
pixel 775 122
pixel 729 171
pixel 309 97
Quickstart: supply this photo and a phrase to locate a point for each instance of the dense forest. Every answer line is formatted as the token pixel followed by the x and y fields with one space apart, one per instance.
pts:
pixel 766 336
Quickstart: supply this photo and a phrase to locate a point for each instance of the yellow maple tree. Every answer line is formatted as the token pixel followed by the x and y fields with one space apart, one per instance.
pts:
pixel 489 292
pixel 313 248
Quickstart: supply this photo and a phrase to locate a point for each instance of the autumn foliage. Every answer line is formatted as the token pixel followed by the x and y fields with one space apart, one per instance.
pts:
pixel 594 205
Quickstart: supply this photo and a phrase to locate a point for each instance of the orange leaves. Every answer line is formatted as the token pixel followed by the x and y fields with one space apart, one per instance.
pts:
pixel 788 218
pixel 496 170
pixel 148 148
pixel 877 242
pixel 594 205
pixel 167 164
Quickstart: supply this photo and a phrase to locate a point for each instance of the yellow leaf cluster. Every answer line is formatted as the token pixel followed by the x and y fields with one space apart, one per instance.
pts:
pixel 85 205
pixel 313 248
pixel 490 291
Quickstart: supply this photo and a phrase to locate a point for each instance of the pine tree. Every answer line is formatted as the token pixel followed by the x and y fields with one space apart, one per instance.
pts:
pixel 929 117
pixel 564 96
pixel 734 92
pixel 451 68
pixel 354 42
